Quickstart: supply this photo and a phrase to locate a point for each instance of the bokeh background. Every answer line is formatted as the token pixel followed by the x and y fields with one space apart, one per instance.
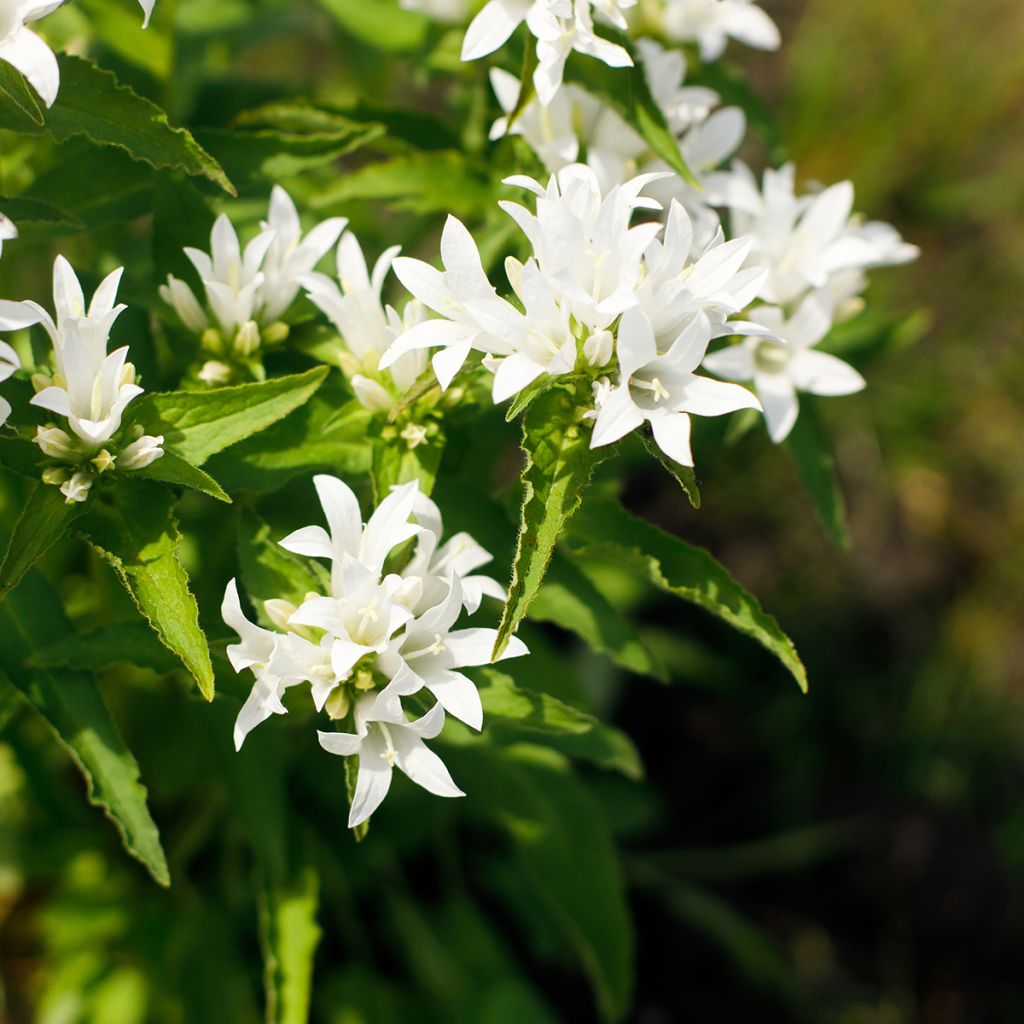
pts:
pixel 855 856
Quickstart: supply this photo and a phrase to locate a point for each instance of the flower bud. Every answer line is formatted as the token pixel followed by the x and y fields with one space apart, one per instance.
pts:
pixel 103 461
pixel 211 341
pixel 279 612
pixel 40 381
pixel 77 488
pixel 247 340
pixel 371 394
pixel 127 375
pixel 57 443
pixel 414 435
pixel 598 348
pixel 276 333
pixel 338 704
pixel 55 476
pixel 215 372
pixel 141 453
pixel 180 298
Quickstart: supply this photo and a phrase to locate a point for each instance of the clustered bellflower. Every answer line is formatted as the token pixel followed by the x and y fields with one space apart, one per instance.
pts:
pixel 384 631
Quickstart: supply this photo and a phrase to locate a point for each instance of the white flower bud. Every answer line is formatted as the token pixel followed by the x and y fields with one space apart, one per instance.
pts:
pixel 180 298
pixel 247 340
pixel 371 394
pixel 598 348
pixel 77 488
pixel 276 333
pixel 215 372
pixel 55 476
pixel 279 612
pixel 57 444
pixel 141 453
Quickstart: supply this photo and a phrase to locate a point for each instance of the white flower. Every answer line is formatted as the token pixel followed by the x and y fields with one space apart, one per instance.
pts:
pixel 141 453
pixel 9 362
pixel 663 390
pixel 90 388
pixel 366 326
pixel 388 527
pixel 448 293
pixel 710 23
pixel 429 652
pixel 147 11
pixel 385 739
pixel 23 49
pixel 76 488
pixel 805 242
pixel 291 255
pixel 255 653
pixel 781 366
pixel 7 231
pixel 560 26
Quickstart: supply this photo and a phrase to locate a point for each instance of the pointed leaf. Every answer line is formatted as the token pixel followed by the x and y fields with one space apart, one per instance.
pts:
pixel 173 469
pixel 684 475
pixel 75 709
pixel 198 424
pixel 44 520
pixel 92 103
pixel 130 643
pixel 559 465
pixel 689 572
pixel 137 534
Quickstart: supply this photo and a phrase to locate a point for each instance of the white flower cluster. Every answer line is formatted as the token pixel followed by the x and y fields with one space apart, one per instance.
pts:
pixel 712 23
pixel 382 632
pixel 89 388
pixel 248 291
pixel 591 268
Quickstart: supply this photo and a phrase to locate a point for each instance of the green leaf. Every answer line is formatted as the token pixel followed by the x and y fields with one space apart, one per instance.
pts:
pixel 327 435
pixel 816 467
pixel 526 397
pixel 16 90
pixel 683 475
pixel 569 600
pixel 38 219
pixel 92 103
pixel 130 643
pixel 394 463
pixel 627 92
pixel 137 534
pixel 682 569
pixel 559 465
pixel 44 520
pixel 519 713
pixel 173 469
pixel 76 711
pixel 567 856
pixel 267 570
pixel 198 424
pixel 117 25
pixel 289 935
pixel 445 181
pixel 380 23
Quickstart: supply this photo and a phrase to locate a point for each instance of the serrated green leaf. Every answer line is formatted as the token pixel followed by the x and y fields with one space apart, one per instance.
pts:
pixel 683 475
pixel 173 469
pixel 269 572
pixel 559 465
pixel 92 103
pixel 44 520
pixel 682 569
pixel 816 467
pixel 76 711
pixel 198 424
pixel 135 531
pixel 526 397
pixel 327 435
pixel 627 92
pixel 512 711
pixel 569 600
pixel 131 643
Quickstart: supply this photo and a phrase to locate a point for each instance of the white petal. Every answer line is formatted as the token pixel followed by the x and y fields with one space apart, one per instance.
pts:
pixel 781 406
pixel 822 374
pixel 373 782
pixel 736 362
pixel 515 373
pixel 343 743
pixel 492 27
pixel 459 697
pixel 672 435
pixel 424 767
pixel 617 416
pixel 703 396
pixel 24 50
pixel 341 509
pixel 310 541
pixel 635 344
pixel 475 646
pixel 447 363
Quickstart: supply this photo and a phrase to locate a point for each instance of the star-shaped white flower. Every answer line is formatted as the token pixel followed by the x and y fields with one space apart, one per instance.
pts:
pixel 384 740
pixel 781 366
pixel 24 50
pixel 663 390
pixel 711 23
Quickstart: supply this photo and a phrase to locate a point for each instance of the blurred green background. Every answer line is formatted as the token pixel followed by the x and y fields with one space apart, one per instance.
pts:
pixel 852 857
